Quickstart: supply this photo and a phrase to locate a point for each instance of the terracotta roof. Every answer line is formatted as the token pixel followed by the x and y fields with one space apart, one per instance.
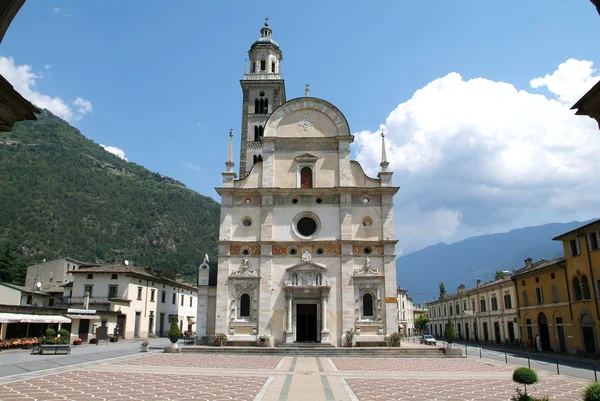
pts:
pixel 559 237
pixel 539 265
pixel 24 289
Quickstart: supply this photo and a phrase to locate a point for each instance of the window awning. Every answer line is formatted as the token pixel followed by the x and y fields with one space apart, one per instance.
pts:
pixel 191 320
pixel 83 317
pixel 24 318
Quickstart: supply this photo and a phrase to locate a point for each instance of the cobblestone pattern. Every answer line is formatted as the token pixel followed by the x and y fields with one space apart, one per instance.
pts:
pixel 416 365
pixel 458 390
pixel 206 361
pixel 115 386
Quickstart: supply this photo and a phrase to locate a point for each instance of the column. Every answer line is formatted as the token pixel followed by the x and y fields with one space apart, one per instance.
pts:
pixel 325 320
pixel 288 327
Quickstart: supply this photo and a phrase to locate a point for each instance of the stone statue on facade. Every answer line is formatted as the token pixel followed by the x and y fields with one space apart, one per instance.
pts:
pixel 306 256
pixel 307 90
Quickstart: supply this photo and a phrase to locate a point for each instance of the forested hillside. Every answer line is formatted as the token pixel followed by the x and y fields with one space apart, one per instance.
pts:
pixel 63 195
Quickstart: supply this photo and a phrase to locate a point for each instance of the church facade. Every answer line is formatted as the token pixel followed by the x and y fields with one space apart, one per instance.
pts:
pixel 306 241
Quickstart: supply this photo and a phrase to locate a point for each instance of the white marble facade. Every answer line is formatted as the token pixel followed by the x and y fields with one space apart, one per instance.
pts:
pixel 306 242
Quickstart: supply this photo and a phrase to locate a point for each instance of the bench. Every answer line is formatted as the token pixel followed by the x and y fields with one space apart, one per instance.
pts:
pixel 54 349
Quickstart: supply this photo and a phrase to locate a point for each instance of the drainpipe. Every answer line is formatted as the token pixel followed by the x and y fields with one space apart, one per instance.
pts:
pixel 591 272
pixel 568 289
pixel 515 281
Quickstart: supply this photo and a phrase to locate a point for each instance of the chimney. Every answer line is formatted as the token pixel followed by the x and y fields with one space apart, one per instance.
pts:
pixel 478 282
pixel 528 262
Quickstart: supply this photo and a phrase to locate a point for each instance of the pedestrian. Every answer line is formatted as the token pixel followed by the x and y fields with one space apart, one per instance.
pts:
pixel 538 342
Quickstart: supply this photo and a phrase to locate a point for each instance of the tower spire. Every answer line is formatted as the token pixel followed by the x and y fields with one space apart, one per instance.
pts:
pixel 229 163
pixel 384 163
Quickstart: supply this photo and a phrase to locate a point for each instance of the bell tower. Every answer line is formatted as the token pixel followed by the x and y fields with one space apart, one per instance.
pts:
pixel 263 91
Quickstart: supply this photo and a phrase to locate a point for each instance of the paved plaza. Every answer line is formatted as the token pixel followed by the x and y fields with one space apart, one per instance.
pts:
pixel 212 377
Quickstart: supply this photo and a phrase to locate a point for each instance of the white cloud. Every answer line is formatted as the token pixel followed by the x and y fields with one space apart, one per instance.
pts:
pixel 191 166
pixel 63 12
pixel 473 156
pixel 24 80
pixel 115 151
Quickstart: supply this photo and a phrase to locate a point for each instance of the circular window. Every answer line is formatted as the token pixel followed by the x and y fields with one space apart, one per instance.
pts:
pixel 366 199
pixel 367 250
pixel 261 94
pixel 306 225
pixel 294 200
pixel 245 251
pixel 319 251
pixel 246 221
pixel 292 250
pixel 367 222
pixel 248 200
pixel 319 199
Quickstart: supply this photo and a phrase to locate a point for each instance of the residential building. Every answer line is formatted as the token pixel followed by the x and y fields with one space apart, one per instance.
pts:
pixel 485 313
pixel 13 294
pixel 53 273
pixel 544 307
pixel 306 241
pixel 406 322
pixel 144 302
pixel 582 254
pixel 419 310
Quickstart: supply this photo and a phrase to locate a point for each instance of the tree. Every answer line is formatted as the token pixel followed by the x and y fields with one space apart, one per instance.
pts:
pixel 499 275
pixel 174 332
pixel 12 269
pixel 449 333
pixel 443 292
pixel 525 376
pixel 421 322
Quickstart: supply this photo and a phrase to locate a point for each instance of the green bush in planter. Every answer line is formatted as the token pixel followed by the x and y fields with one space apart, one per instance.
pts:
pixel 63 332
pixel 220 339
pixel 50 332
pixel 592 392
pixel 525 376
pixel 449 333
pixel 174 332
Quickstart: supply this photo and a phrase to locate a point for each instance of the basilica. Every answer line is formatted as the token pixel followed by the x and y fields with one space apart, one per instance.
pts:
pixel 306 240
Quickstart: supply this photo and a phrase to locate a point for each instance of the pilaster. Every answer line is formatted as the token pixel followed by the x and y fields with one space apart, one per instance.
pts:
pixel 347 303
pixel 265 303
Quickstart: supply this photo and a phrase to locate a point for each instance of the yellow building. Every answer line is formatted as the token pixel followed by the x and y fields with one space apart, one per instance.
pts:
pixel 581 247
pixel 544 307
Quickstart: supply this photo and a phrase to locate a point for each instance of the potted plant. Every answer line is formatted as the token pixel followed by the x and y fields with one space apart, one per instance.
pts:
pixel 27 344
pixel 220 339
pixel 77 341
pixel 187 333
pixel 263 340
pixel 112 339
pixel 174 332
pixel 94 341
pixel 349 337
pixel 525 376
pixel 144 346
pixel 395 340
pixel 449 333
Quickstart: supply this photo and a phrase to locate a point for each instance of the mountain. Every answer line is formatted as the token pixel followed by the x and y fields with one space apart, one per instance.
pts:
pixel 476 258
pixel 64 195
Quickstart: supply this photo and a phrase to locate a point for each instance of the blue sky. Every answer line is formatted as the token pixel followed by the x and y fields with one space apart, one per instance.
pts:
pixel 161 82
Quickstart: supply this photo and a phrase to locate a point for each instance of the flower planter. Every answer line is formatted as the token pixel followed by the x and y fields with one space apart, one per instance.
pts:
pixel 76 342
pixel 144 348
pixel 26 346
pixel 263 344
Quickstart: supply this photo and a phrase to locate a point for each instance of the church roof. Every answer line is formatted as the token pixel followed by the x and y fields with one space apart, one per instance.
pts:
pixel 264 41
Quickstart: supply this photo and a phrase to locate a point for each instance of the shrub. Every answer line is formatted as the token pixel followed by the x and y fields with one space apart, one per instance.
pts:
pixel 50 333
pixel 525 376
pixel 220 339
pixel 349 337
pixel 63 332
pixel 263 338
pixel 395 339
pixel 48 340
pixel 93 341
pixel 174 332
pixel 592 392
pixel 449 333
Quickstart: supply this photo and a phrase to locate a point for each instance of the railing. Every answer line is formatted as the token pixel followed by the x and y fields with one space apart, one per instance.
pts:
pixel 260 77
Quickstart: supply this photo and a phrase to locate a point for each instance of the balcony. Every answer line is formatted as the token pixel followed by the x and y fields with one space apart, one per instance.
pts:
pixel 261 76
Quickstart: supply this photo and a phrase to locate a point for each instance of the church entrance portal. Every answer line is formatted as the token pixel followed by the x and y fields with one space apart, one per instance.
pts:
pixel 306 322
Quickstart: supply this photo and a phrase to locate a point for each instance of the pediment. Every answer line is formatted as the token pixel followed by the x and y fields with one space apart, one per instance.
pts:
pixel 306 158
pixel 305 267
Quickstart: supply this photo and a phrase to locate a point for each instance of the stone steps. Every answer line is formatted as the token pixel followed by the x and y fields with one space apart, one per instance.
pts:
pixel 377 352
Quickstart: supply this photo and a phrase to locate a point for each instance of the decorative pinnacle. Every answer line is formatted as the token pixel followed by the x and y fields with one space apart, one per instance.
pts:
pixel 229 162
pixel 384 163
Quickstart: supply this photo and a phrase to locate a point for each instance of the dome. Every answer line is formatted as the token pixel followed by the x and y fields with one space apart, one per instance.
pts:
pixel 265 40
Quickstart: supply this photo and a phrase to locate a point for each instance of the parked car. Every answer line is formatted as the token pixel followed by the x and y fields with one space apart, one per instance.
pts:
pixel 428 339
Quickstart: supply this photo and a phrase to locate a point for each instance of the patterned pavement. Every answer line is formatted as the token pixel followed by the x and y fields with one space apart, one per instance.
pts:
pixel 458 390
pixel 416 365
pixel 157 376
pixel 206 361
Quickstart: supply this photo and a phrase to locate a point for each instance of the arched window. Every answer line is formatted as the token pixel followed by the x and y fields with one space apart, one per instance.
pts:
pixel 245 305
pixel 261 107
pixel 272 66
pixel 261 130
pixel 585 288
pixel 577 293
pixel 256 104
pixel 306 177
pixel 266 109
pixel 254 159
pixel 260 158
pixel 367 305
pixel 256 133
